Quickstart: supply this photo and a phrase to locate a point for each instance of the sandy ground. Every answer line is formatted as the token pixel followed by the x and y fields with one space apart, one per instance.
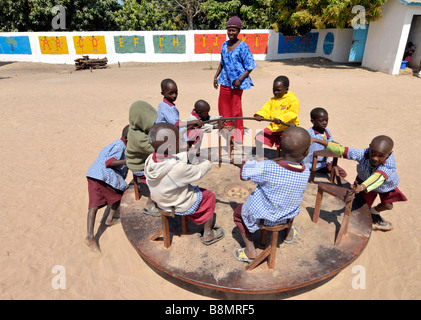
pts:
pixel 54 122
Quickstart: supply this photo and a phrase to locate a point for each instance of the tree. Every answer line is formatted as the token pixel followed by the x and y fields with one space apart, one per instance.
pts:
pixel 37 15
pixel 289 17
pixel 149 15
pixel 189 8
pixel 299 17
pixel 257 14
pixel 217 12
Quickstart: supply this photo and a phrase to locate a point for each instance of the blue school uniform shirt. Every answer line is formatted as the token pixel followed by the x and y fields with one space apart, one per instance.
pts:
pixel 278 195
pixel 321 161
pixel 365 169
pixel 113 176
pixel 234 64
pixel 167 112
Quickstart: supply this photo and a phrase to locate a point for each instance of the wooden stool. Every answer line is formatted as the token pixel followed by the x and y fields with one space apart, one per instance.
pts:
pixel 334 172
pixel 341 193
pixel 271 248
pixel 165 231
pixel 136 188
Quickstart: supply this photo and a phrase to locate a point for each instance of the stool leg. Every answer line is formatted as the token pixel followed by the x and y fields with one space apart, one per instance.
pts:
pixel 333 171
pixel 184 225
pixel 166 231
pixel 313 169
pixel 136 188
pixel 263 237
pixel 273 246
pixel 344 224
pixel 319 199
pixel 258 259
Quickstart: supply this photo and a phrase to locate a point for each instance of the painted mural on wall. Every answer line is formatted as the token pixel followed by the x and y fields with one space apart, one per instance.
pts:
pixel 53 45
pixel 90 44
pixel 171 43
pixel 257 42
pixel 307 43
pixel 208 43
pixel 328 43
pixel 129 44
pixel 212 43
pixel 15 45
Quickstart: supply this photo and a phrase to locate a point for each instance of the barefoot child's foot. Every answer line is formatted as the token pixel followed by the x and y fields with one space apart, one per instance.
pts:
pixel 91 243
pixel 112 222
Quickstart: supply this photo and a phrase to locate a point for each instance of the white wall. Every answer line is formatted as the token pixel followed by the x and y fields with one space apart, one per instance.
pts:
pixel 387 38
pixel 342 44
pixel 343 39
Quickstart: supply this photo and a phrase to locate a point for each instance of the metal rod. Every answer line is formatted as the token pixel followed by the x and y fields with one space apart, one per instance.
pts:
pixel 242 118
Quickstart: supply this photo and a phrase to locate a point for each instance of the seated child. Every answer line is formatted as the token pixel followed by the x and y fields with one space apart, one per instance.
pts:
pixel 167 112
pixel 376 174
pixel 169 178
pixel 279 192
pixel 142 117
pixel 200 112
pixel 320 118
pixel 106 184
pixel 282 108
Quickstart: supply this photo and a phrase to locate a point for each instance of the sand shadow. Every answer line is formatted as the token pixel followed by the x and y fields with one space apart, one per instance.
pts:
pixel 320 63
pixel 102 226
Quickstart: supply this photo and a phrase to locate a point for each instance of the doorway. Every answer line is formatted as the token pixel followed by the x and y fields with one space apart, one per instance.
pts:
pixel 359 38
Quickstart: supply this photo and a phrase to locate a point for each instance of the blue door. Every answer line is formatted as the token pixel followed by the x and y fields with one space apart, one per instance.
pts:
pixel 359 39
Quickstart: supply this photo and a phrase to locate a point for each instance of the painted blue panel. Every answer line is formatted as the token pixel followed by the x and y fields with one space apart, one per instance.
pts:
pixel 15 45
pixel 329 43
pixel 359 39
pixel 307 43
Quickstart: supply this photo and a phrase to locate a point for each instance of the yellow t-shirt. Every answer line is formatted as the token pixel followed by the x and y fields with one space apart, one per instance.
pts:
pixel 285 109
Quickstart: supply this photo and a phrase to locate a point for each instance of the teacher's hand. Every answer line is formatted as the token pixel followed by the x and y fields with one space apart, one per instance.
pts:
pixel 237 84
pixel 215 83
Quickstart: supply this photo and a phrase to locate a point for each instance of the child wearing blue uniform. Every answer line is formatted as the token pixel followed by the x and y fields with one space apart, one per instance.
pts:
pixel 320 118
pixel 279 192
pixel 106 184
pixel 167 111
pixel 376 175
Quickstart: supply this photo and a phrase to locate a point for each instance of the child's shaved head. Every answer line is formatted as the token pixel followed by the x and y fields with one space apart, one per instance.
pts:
pixel 317 112
pixel 283 79
pixel 166 82
pixel 164 138
pixel 202 105
pixel 295 143
pixel 382 144
pixel 125 132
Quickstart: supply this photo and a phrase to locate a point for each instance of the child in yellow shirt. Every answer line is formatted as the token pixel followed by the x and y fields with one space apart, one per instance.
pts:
pixel 283 109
